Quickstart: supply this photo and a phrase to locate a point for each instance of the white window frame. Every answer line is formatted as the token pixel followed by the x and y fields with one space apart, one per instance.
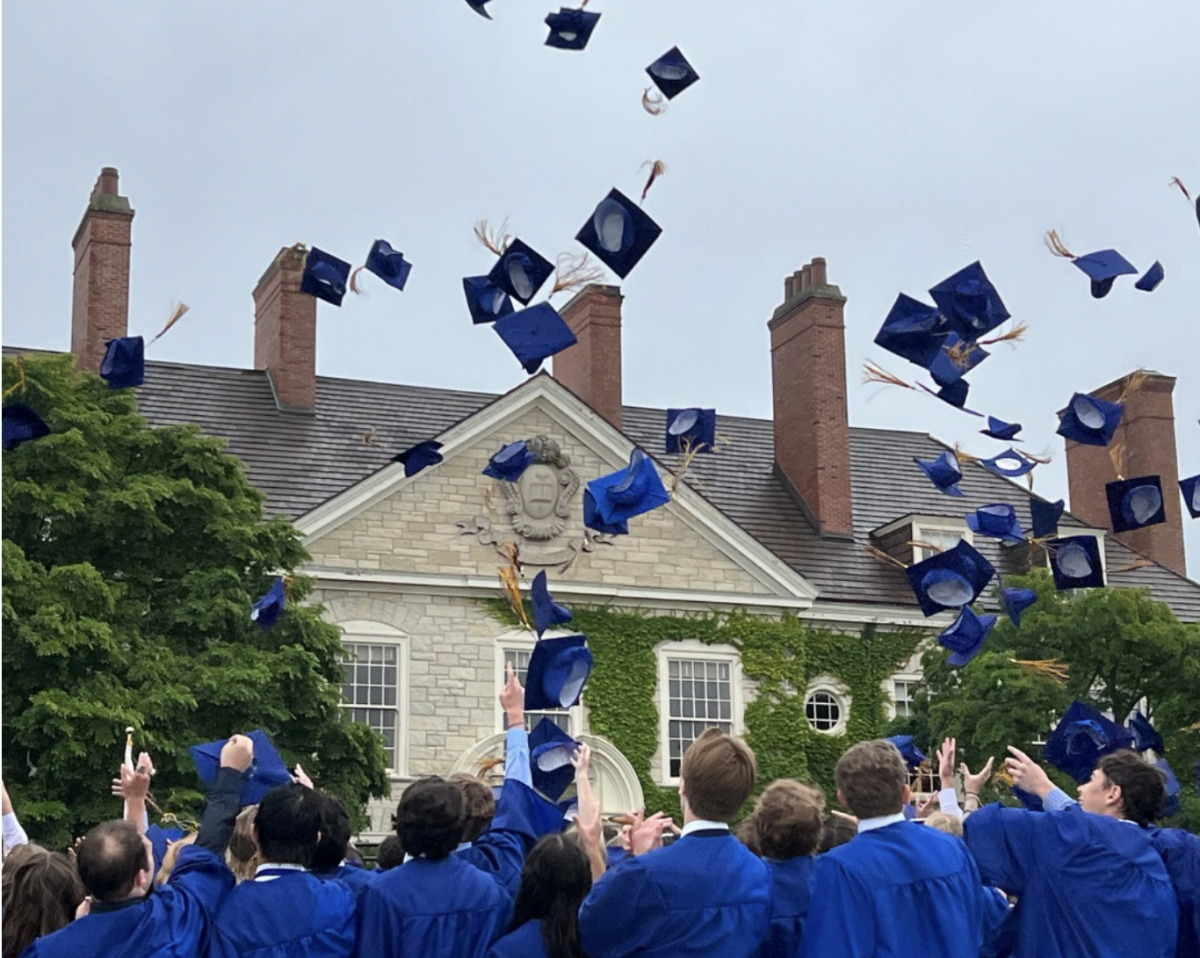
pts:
pixel 379 633
pixel 921 527
pixel 695 650
pixel 908 677
pixel 831 686
pixel 524 642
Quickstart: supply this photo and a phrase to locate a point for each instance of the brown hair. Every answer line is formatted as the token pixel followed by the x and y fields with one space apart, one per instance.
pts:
pixel 168 861
pixel 242 854
pixel 42 898
pixel 871 777
pixel 479 804
pixel 14 860
pixel 1143 787
pixel 787 819
pixel 110 858
pixel 945 823
pixel 747 833
pixel 718 775
pixel 836 829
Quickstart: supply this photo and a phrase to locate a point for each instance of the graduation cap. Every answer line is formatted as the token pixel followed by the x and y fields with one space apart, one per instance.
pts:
pixel 535 334
pixel 1009 464
pixel 124 362
pixel 570 29
pixel 1145 735
pixel 21 424
pixel 1075 562
pixel 943 472
pixel 550 751
pixel 388 264
pixel 913 331
pixel 908 750
pixel 325 276
pixel 955 393
pixel 999 521
pixel 1081 737
pixel 955 359
pixel 591 518
pixel 1190 487
pixel 970 302
pixel 950 579
pixel 630 491
pixel 619 232
pixel 1134 503
pixel 1102 268
pixel 966 636
pixel 1044 516
pixel 1016 601
pixel 999 429
pixel 478 5
pixel 509 462
pixel 421 456
pixel 266 772
pixel 521 271
pixel 691 429
pixel 160 840
pixel 486 302
pixel 1171 804
pixel 267 609
pixel 558 670
pixel 546 612
pixel 1089 420
pixel 1150 280
pixel 672 74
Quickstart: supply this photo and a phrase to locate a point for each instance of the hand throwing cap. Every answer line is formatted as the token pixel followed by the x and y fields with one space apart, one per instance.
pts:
pixel 558 671
pixel 619 232
pixel 265 773
pixel 325 276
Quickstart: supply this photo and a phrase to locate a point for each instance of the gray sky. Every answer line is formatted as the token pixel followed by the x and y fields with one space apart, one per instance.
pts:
pixel 899 140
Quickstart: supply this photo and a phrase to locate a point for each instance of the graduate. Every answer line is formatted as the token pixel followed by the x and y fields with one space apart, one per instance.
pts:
pixel 706 894
pixel 898 888
pixel 116 863
pixel 329 860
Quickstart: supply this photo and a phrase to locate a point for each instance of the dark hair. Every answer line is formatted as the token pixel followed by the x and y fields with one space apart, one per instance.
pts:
pixel 871 777
pixel 787 819
pixel 556 878
pixel 335 834
pixel 1143 787
pixel 429 819
pixel 390 854
pixel 836 830
pixel 718 775
pixel 479 804
pixel 42 898
pixel 288 824
pixel 110 857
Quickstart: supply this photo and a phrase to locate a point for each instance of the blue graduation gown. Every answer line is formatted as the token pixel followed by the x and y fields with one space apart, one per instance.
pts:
pixel 292 915
pixel 1180 852
pixel 791 885
pixel 352 876
pixel 500 851
pixel 525 942
pixel 899 890
pixel 703 895
pixel 1089 886
pixel 171 921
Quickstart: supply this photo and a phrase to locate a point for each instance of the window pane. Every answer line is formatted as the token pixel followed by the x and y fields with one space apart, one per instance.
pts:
pixel 373 678
pixel 700 698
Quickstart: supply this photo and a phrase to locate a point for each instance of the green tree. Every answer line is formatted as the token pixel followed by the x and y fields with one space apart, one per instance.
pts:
pixel 131 558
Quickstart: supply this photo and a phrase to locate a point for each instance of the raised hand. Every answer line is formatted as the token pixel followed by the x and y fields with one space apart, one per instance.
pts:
pixel 973 782
pixel 945 756
pixel 1028 774
pixel 646 834
pixel 237 753
pixel 512 697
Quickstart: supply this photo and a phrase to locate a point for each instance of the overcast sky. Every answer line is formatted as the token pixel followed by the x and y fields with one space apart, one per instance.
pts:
pixel 901 141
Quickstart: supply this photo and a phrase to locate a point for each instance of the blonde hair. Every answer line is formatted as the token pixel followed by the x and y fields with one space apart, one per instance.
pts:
pixel 945 823
pixel 168 862
pixel 242 853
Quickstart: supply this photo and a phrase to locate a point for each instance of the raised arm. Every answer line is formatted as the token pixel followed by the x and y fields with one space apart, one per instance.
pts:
pixel 587 819
pixel 14 834
pixel 135 786
pixel 516 743
pixel 224 798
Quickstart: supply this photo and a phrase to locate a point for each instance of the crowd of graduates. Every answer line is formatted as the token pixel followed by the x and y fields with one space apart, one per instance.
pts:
pixel 471 875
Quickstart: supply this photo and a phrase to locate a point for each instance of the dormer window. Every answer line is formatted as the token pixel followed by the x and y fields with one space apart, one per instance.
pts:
pixel 915 538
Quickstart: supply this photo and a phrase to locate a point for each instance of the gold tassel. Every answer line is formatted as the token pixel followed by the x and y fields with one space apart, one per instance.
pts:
pixel 964 457
pixel 873 373
pixel 170 818
pixel 1002 776
pixel 1176 181
pixel 1130 567
pixel 1040 460
pixel 510 579
pixel 496 240
pixel 652 103
pixel 960 353
pixel 1052 669
pixel 369 438
pixel 1056 246
pixel 574 271
pixel 486 766
pixel 918 544
pixel 19 366
pixel 876 553
pixel 621 819
pixel 1133 384
pixel 657 169
pixel 1014 335
pixel 1116 455
pixel 177 313
pixel 690 451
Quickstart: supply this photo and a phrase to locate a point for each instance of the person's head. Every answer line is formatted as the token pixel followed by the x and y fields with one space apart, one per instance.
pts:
pixel 787 820
pixel 390 854
pixel 14 860
pixel 171 856
pixel 747 833
pixel 1123 786
pixel 945 823
pixel 556 878
pixel 479 804
pixel 335 834
pixel 287 827
pixel 429 819
pixel 42 897
pixel 242 854
pixel 115 862
pixel 872 779
pixel 836 829
pixel 716 776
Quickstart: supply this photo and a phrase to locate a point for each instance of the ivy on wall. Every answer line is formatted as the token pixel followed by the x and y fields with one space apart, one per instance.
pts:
pixel 781 656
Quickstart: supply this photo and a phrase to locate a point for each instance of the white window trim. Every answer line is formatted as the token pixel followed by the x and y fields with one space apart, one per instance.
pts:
pixel 696 650
pixel 889 687
pixel 831 686
pixel 379 633
pixel 921 527
pixel 524 641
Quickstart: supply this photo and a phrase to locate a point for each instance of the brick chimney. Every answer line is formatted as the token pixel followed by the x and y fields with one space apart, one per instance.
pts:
pixel 100 300
pixel 808 384
pixel 592 367
pixel 285 332
pixel 1147 435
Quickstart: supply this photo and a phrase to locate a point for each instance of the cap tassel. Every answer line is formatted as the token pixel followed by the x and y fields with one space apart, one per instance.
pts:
pixel 19 366
pixel 496 240
pixel 510 579
pixel 1133 384
pixel 1002 776
pixel 1056 245
pixel 486 766
pixel 1116 455
pixel 920 544
pixel 1052 669
pixel 369 439
pixel 652 103
pixel 657 169
pixel 876 553
pixel 873 373
pixel 1139 563
pixel 1176 181
pixel 963 456
pixel 178 311
pixel 573 272
pixel 190 826
pixel 354 288
pixel 691 450
pixel 1014 335
pixel 960 354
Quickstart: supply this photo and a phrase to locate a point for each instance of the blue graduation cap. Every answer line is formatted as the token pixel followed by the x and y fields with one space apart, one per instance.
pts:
pixel 124 362
pixel 908 750
pixel 955 359
pixel 1190 488
pixel 558 670
pixel 271 606
pixel 672 74
pixel 325 276
pixel 266 772
pixel 1145 735
pixel 966 636
pixel 1089 420
pixel 1102 268
pixel 1171 804
pixel 970 302
pixel 1009 464
pixel 943 472
pixel 950 579
pixel 630 491
pixel 619 232
pixel 388 264
pixel 546 612
pixel 160 840
pixel 955 393
pixel 478 5
pixel 1016 601
pixel 1045 516
pixel 999 521
pixel 1134 503
pixel 1028 799
pixel 691 429
pixel 535 334
pixel 999 429
pixel 1081 738
pixel 509 462
pixel 591 518
pixel 521 271
pixel 1075 562
pixel 913 331
pixel 22 424
pixel 550 751
pixel 1150 280
pixel 421 456
pixel 486 302
pixel 570 29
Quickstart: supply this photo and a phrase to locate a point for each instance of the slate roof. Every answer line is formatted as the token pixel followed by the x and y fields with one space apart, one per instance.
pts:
pixel 301 460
